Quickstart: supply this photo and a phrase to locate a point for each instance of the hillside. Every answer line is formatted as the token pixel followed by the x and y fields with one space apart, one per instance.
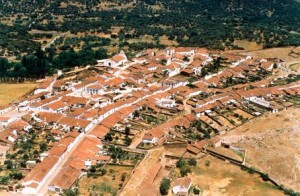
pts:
pixel 191 22
pixel 87 26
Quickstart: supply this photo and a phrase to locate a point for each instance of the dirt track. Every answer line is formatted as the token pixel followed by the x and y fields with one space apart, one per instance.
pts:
pixel 135 183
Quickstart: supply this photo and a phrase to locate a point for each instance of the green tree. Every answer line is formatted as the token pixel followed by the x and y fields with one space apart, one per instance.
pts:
pixel 108 137
pixel 164 186
pixel 16 175
pixel 69 192
pixel 123 176
pixel 203 72
pixel 43 146
pixel 4 65
pixel 192 162
pixel 128 140
pixel 101 53
pixel 4 180
pixel 93 169
pixel 127 130
pixel 9 164
pixel 180 163
pixel 185 170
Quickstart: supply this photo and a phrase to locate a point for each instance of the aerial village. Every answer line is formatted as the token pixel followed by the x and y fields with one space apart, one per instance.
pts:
pixel 72 128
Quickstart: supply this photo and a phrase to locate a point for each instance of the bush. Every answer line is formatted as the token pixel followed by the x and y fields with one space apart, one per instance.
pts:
pixel 207 163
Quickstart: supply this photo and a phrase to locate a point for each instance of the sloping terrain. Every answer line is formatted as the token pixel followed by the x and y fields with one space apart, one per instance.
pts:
pixel 273 145
pixel 210 23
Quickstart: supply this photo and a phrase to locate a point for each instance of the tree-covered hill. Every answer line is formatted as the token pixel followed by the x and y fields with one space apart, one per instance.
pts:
pixel 205 23
pixel 209 23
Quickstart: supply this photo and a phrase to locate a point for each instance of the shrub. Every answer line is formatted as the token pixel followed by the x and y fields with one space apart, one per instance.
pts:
pixel 207 163
pixel 123 177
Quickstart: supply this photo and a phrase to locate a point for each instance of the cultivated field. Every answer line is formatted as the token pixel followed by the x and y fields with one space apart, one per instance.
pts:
pixel 272 142
pixel 9 92
pixel 215 177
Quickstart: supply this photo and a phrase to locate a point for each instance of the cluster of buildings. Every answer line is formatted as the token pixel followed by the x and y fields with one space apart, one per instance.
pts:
pixel 79 113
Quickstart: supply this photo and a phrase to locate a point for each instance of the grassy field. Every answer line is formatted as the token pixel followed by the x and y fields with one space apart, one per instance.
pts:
pixel 9 92
pixel 215 177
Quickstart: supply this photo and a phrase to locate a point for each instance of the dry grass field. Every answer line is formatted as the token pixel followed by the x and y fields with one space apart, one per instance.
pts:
pixel 282 53
pixel 104 185
pixel 272 142
pixel 9 92
pixel 220 178
pixel 247 45
pixel 295 66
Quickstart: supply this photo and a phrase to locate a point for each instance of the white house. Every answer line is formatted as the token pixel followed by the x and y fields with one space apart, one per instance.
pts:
pixel 182 185
pixel 45 86
pixel 5 121
pixel 6 109
pixel 149 139
pixel 197 70
pixel 115 61
pixel 166 103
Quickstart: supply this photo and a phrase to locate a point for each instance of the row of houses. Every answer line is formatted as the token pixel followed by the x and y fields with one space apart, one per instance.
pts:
pixel 81 112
